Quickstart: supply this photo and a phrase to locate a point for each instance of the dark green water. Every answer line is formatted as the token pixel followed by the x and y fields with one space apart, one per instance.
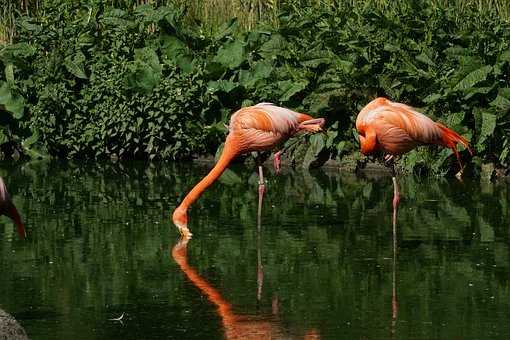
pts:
pixel 101 238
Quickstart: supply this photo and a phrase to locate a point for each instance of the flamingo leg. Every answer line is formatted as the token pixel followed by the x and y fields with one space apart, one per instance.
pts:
pixel 277 161
pixel 396 191
pixel 389 161
pixel 260 272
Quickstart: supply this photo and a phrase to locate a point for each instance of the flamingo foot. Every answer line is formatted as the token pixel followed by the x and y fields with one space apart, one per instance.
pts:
pixel 277 161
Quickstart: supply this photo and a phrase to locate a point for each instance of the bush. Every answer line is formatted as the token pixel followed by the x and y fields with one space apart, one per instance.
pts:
pixel 99 81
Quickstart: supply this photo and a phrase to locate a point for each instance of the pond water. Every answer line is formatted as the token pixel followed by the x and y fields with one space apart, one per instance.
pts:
pixel 320 264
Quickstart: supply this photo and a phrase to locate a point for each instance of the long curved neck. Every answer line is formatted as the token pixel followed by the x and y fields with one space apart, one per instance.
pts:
pixel 230 151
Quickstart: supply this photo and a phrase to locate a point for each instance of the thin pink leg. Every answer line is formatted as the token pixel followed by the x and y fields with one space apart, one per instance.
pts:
pixel 396 194
pixel 277 161
pixel 260 270
pixel 262 187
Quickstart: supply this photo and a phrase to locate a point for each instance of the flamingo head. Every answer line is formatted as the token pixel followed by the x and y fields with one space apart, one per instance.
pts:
pixel 180 219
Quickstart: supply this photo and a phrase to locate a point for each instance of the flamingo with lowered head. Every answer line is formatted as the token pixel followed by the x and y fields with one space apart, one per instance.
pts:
pixel 395 129
pixel 254 128
pixel 8 209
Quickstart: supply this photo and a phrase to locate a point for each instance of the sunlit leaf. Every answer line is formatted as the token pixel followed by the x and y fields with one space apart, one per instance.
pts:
pixel 473 78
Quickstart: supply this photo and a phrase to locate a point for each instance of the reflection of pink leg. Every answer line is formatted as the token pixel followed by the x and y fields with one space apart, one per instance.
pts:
pixel 394 300
pixel 277 161
pixel 274 305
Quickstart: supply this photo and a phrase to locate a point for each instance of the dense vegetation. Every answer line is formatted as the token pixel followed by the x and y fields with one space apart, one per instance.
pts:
pixel 89 80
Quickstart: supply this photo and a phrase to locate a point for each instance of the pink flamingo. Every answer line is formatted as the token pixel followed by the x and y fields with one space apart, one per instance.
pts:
pixel 395 129
pixel 8 209
pixel 255 128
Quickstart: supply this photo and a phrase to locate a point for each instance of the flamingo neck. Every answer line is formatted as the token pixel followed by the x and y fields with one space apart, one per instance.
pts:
pixel 228 154
pixel 368 142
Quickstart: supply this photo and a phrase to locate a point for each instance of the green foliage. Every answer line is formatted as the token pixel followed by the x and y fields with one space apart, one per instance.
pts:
pixel 100 81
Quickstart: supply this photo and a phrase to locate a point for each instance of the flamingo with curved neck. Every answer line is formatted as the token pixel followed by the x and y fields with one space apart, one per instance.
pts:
pixel 255 128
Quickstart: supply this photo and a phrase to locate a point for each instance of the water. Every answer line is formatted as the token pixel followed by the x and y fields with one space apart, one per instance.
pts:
pixel 321 263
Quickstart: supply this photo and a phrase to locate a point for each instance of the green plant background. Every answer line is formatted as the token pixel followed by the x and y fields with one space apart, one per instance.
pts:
pixel 88 80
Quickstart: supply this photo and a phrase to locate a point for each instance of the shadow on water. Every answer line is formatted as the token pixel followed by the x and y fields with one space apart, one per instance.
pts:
pixel 99 237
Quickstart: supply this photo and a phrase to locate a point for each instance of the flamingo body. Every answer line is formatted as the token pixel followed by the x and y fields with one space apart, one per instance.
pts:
pixel 396 128
pixel 256 128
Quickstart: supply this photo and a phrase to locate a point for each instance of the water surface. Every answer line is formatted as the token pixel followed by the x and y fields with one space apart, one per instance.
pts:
pixel 319 265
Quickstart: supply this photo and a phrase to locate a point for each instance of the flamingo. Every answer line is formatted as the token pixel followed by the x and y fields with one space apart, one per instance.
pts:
pixel 8 209
pixel 395 129
pixel 254 128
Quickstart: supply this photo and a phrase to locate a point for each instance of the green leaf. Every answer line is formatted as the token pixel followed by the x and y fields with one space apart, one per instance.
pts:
pixel 477 90
pixel 173 47
pixel 3 137
pixel 75 65
pixel 473 78
pixel 291 87
pixel 231 55
pixel 221 85
pixel 425 59
pixel 432 98
pixel 487 129
pixel 13 103
pixel 250 78
pixel 9 74
pixel 455 119
pixel 502 101
pixel 144 73
pixel 276 46
pixel 316 145
pixel 226 29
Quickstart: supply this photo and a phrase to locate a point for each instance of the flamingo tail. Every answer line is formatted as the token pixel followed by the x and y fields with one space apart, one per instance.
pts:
pixel 451 138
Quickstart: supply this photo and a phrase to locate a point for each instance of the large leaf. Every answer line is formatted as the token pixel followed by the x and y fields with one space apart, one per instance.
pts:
pixel 231 55
pixel 12 102
pixel 261 71
pixel 221 85
pixel 317 144
pixel 274 47
pixel 145 71
pixel 473 78
pixel 76 65
pixel 290 88
pixel 9 74
pixel 487 128
pixel 502 101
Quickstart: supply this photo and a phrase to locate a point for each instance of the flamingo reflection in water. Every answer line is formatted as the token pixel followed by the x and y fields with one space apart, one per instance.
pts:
pixel 394 300
pixel 238 326
pixel 8 209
